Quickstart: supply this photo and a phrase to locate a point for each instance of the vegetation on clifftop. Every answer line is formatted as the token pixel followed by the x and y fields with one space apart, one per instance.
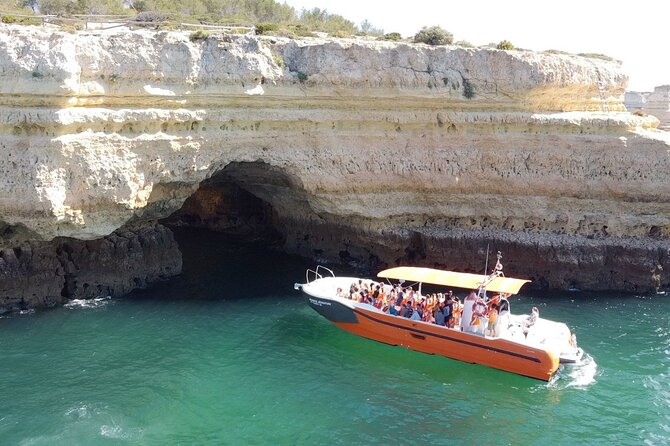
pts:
pixel 434 35
pixel 268 17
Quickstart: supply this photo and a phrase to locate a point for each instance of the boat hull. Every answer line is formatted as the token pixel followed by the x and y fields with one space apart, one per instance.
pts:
pixel 333 310
pixel 433 339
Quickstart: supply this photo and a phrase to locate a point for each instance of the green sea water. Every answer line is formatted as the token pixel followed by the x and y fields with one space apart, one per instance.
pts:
pixel 229 353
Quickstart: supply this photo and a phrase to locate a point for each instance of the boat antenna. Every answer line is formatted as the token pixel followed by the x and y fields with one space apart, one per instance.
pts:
pixel 482 289
pixel 498 270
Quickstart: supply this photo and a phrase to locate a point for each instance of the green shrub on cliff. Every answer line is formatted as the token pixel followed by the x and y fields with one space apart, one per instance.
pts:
pixel 468 89
pixel 505 45
pixel 266 28
pixel 152 17
pixel 199 35
pixel 368 29
pixel 434 35
pixel 394 37
pixel 279 60
pixel 318 19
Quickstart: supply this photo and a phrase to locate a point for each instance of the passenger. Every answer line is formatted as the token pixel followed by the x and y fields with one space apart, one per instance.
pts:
pixel 449 314
pixel 400 299
pixel 439 314
pixel 493 319
pixel 389 299
pixel 504 305
pixel 377 303
pixel 362 286
pixel 414 315
pixel 428 316
pixel 369 299
pixel 410 297
pixel 456 311
pixel 530 320
pixel 407 310
pixel 419 311
pixel 382 294
pixel 466 316
pixel 448 310
pixel 398 309
pixel 341 294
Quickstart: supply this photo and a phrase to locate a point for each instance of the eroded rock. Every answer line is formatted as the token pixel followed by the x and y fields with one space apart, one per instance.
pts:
pixel 372 152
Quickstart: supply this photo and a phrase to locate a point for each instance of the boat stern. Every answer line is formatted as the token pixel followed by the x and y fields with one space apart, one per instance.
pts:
pixel 572 353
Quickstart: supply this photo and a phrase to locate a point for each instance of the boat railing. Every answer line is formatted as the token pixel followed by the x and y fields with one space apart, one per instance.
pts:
pixel 317 273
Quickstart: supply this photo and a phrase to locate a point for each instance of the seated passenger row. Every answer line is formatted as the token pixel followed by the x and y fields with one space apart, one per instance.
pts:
pixel 437 308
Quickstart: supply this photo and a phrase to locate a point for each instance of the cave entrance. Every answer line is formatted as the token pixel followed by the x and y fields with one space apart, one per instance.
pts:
pixel 261 203
pixel 245 200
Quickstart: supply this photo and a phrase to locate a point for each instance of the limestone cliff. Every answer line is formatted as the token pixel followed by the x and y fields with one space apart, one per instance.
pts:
pixel 656 103
pixel 368 152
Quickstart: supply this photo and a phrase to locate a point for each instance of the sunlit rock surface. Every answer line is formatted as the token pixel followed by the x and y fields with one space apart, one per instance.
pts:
pixel 372 153
pixel 658 104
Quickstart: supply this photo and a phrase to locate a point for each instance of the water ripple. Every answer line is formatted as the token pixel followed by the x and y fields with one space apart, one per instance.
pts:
pixel 211 363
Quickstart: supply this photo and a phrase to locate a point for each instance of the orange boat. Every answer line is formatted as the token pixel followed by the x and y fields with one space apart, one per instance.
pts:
pixel 523 344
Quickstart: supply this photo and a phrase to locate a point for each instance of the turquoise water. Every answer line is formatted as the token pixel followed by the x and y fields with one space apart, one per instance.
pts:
pixel 230 354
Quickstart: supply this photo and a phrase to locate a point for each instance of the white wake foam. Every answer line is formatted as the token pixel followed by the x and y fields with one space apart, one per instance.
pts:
pixel 580 375
pixel 96 302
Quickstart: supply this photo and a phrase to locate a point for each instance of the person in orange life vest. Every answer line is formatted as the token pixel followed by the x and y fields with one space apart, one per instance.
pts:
pixel 493 319
pixel 457 311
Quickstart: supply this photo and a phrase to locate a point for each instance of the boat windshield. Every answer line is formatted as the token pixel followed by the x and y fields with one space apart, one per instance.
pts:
pixel 469 281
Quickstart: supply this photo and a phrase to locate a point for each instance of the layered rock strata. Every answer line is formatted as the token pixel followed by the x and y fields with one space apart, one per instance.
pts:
pixel 374 153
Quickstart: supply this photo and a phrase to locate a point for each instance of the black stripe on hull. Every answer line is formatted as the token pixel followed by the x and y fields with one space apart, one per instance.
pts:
pixel 449 338
pixel 338 313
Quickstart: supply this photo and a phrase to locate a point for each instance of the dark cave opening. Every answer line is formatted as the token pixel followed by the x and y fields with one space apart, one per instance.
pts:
pixel 245 200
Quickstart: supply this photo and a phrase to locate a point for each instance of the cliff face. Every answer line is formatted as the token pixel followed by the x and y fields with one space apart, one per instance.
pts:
pixel 368 152
pixel 656 103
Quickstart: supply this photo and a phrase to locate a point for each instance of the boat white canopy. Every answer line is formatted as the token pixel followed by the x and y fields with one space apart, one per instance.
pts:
pixel 450 278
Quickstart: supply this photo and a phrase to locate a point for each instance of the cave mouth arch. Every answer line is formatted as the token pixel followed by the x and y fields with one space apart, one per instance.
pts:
pixel 248 200
pixel 254 201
